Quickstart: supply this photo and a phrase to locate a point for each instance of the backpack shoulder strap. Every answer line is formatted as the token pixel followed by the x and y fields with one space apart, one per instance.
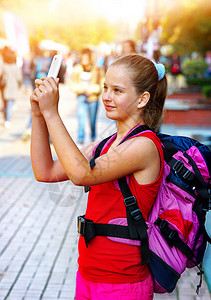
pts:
pixel 136 223
pixel 98 150
pixel 135 131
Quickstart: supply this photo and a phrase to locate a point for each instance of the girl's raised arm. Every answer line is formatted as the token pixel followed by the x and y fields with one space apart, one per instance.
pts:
pixel 119 162
pixel 44 167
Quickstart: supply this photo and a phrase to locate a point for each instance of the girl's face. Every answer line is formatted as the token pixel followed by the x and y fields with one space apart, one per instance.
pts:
pixel 119 95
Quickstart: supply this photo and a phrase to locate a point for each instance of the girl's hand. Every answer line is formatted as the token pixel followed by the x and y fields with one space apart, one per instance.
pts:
pixel 35 106
pixel 47 95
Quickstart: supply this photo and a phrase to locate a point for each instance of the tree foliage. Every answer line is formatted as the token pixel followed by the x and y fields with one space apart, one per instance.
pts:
pixel 195 67
pixel 188 29
pixel 76 36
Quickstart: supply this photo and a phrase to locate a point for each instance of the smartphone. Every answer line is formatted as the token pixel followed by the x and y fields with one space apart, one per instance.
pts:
pixel 55 66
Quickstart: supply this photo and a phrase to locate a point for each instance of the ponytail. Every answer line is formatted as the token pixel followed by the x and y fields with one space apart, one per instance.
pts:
pixel 154 110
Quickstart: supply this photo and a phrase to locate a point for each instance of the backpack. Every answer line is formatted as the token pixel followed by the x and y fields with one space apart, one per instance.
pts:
pixel 174 236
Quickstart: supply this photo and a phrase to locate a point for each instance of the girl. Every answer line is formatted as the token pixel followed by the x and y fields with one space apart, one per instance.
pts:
pixel 134 93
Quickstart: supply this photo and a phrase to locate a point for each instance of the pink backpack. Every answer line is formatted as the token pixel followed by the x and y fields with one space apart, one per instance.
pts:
pixel 174 237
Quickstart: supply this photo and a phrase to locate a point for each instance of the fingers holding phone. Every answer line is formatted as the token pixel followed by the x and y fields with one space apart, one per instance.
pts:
pixel 46 95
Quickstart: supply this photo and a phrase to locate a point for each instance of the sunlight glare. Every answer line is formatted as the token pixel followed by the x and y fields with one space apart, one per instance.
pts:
pixel 131 11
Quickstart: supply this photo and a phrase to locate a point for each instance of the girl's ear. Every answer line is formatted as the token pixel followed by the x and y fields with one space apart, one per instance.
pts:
pixel 143 99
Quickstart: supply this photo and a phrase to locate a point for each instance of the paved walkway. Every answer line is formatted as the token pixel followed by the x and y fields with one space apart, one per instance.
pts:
pixel 38 238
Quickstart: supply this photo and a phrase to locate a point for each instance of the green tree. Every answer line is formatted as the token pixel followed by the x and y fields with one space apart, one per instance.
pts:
pixel 195 67
pixel 188 29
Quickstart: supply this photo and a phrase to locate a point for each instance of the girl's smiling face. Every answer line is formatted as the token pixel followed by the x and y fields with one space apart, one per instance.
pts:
pixel 119 95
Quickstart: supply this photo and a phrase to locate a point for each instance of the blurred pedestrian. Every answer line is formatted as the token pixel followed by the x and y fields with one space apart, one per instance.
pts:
pixel 128 47
pixel 109 59
pixel 86 82
pixel 69 63
pixel 134 93
pixel 2 82
pixel 43 64
pixel 208 61
pixel 33 73
pixel 175 65
pixel 13 83
pixel 175 71
pixel 26 74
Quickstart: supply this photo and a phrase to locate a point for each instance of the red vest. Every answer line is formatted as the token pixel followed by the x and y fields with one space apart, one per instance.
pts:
pixel 105 260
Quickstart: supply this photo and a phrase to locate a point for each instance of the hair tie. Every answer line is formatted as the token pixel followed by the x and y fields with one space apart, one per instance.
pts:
pixel 160 69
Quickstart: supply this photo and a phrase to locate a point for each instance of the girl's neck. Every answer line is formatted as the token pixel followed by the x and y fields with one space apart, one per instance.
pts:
pixel 124 128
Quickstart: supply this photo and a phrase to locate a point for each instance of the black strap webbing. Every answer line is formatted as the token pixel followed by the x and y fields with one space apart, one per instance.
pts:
pixel 135 131
pixel 173 239
pixel 183 172
pixel 200 179
pixel 170 146
pixel 195 179
pixel 136 223
pixel 89 229
pixel 100 146
pixel 96 155
pixel 98 151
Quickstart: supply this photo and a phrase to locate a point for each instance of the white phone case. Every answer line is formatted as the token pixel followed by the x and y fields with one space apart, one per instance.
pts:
pixel 55 66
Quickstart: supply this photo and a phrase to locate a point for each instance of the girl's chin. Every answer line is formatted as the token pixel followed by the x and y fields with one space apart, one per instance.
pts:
pixel 110 116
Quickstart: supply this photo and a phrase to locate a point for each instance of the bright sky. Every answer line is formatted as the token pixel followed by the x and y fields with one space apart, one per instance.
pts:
pixel 132 11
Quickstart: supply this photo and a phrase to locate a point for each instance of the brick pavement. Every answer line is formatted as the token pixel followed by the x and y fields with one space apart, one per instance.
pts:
pixel 38 239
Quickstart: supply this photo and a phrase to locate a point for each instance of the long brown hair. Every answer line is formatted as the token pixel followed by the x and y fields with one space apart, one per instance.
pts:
pixel 144 78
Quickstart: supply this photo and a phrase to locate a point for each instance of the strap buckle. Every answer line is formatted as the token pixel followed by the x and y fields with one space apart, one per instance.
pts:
pixel 177 167
pixel 188 175
pixel 172 237
pixel 134 211
pixel 87 189
pixel 136 214
pixel 162 224
pixel 129 201
pixel 81 225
